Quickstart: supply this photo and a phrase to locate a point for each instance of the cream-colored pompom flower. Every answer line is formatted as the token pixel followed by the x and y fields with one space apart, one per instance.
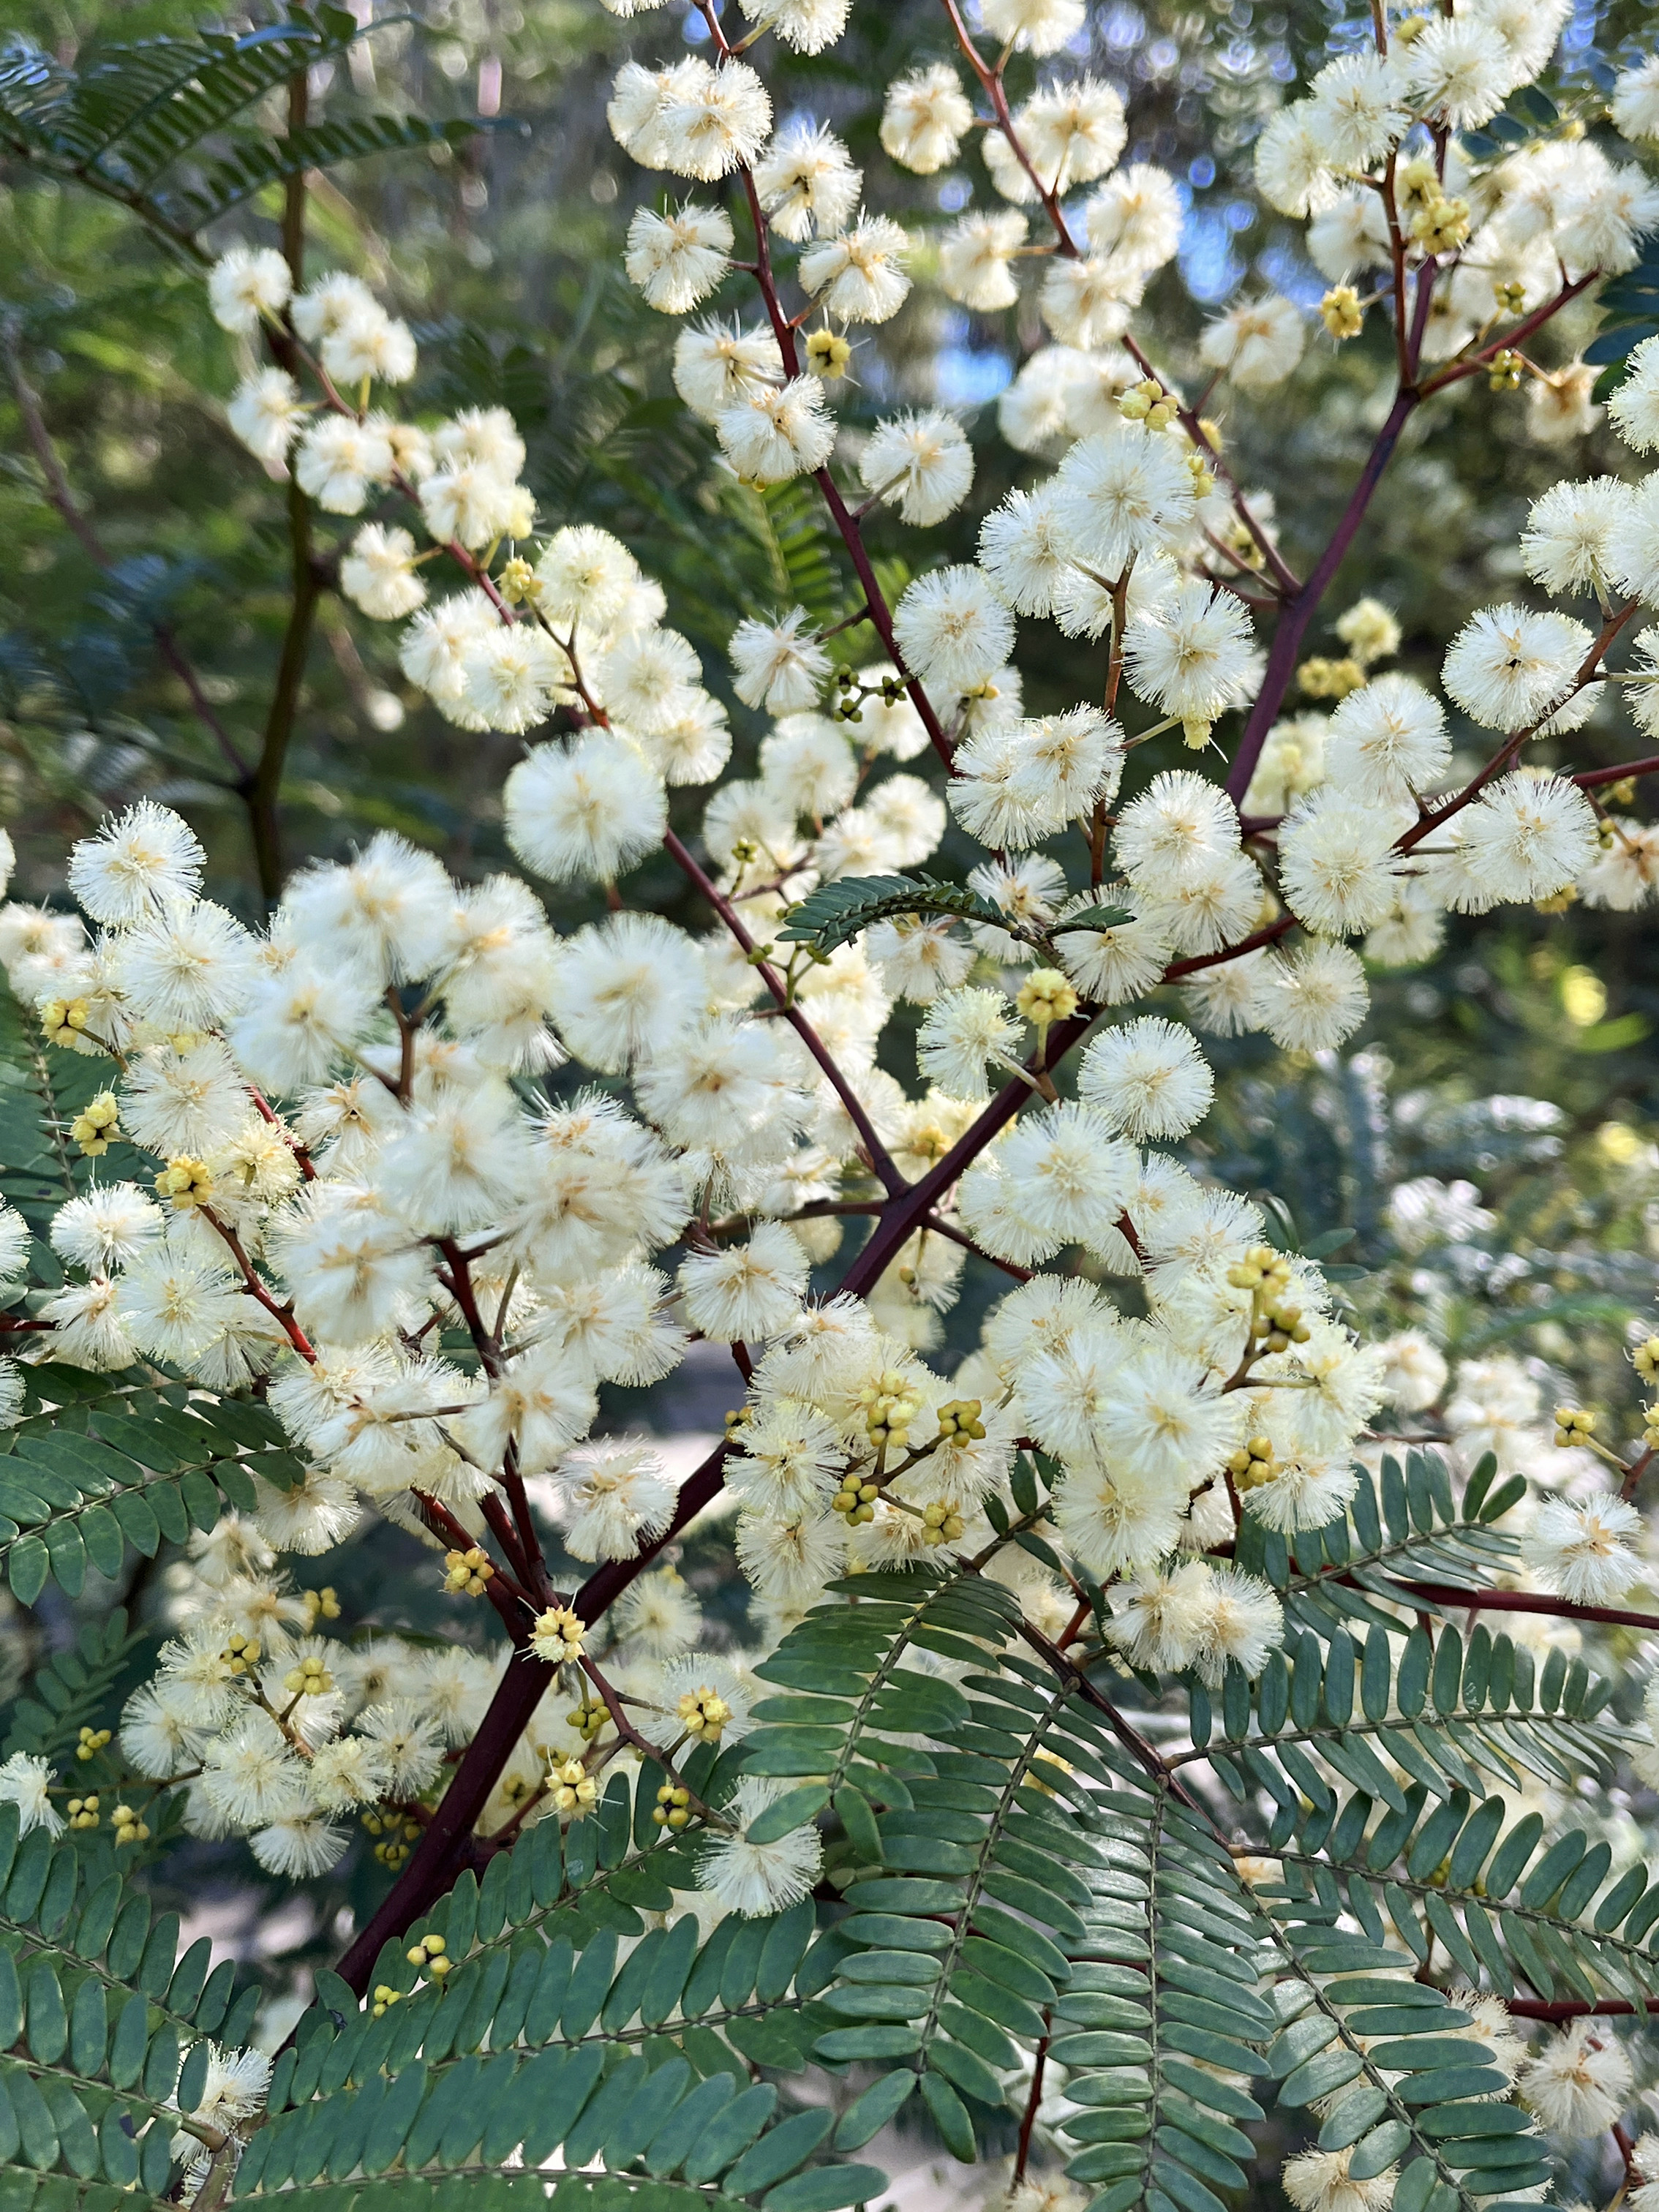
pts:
pixel 247 284
pixel 924 118
pixel 1149 1077
pixel 678 260
pixel 771 434
pixel 808 25
pixel 779 665
pixel 714 121
pixel 1258 344
pixel 1033 27
pixel 954 629
pixel 377 573
pixel 583 812
pixel 921 463
pixel 808 183
pixel 1509 664
pixel 755 1880
pixel 1583 1550
pixel 1634 105
pixel 1578 2081
pixel 265 413
pixel 976 259
pixel 858 275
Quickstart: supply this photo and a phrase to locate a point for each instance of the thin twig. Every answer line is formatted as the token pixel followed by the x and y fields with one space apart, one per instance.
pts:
pixel 1510 748
pixel 432 1864
pixel 1592 779
pixel 59 493
pixel 875 1151
pixel 1495 1601
pixel 264 786
pixel 941 1227
pixel 629 1735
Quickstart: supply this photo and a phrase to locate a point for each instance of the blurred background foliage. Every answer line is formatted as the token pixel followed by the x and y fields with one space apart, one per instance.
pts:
pixel 1518 1072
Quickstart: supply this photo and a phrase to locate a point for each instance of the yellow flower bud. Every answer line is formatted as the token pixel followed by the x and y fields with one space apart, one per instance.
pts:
pixel 829 355
pixel 1046 996
pixel 184 1182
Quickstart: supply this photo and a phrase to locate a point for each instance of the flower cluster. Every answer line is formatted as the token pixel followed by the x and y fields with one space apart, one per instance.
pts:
pixel 432 1173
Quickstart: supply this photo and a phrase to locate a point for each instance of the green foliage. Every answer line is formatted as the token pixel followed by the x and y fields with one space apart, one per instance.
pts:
pixel 1092 917
pixel 1017 1888
pixel 1530 114
pixel 799 539
pixel 123 124
pixel 70 1688
pixel 1631 312
pixel 1138 1959
pixel 837 912
pixel 539 2038
pixel 1414 2098
pixel 1369 1693
pixel 1018 1876
pixel 1405 1529
pixel 1446 1715
pixel 96 2011
pixel 136 1461
pixel 1446 1871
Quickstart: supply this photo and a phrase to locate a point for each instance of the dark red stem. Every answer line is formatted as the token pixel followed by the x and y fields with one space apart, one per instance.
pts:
pixel 438 1855
pixel 1448 1594
pixel 1593 778
pixel 875 1151
pixel 1298 611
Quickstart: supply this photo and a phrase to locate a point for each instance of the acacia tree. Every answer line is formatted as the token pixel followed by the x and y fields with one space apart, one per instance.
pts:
pixel 1130 1739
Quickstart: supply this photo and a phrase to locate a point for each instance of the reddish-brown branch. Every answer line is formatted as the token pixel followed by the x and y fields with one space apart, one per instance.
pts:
pixel 518 1539
pixel 267 1113
pixel 991 84
pixel 458 1283
pixel 904 1214
pixel 1065 1669
pixel 846 524
pixel 1280 570
pixel 507 1535
pixel 530 1543
pixel 1397 270
pixel 1592 779
pixel 1491 1601
pixel 509 1596
pixel 1300 610
pixel 642 1744
pixel 875 1151
pixel 257 1290
pixel 852 538
pixel 1472 364
pixel 1633 1473
pixel 1257 938
pixel 940 1227
pixel 1510 748
pixel 438 1856
pixel 1028 2121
